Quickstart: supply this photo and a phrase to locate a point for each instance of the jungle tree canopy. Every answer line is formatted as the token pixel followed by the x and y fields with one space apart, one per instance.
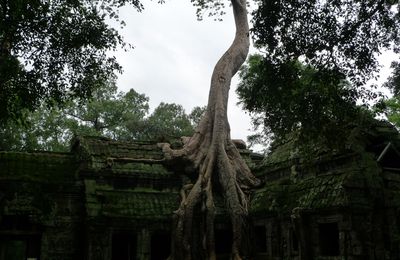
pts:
pixel 343 35
pixel 393 82
pixel 54 50
pixel 58 60
pixel 291 96
pixel 117 115
pixel 317 58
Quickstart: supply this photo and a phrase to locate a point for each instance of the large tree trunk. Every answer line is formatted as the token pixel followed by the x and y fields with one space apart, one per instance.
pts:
pixel 216 159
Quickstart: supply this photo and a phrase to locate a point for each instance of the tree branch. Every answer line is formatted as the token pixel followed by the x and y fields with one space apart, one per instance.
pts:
pixel 78 117
pixel 350 32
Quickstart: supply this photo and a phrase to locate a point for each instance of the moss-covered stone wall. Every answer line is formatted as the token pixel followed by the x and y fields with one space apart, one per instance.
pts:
pixel 347 195
pixel 78 204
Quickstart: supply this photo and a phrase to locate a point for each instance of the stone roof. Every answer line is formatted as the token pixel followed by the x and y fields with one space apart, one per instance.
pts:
pixel 373 136
pixel 350 178
pixel 105 156
pixel 356 184
pixel 131 179
pixel 88 146
pixel 37 166
pixel 139 204
pixel 116 179
pixel 134 181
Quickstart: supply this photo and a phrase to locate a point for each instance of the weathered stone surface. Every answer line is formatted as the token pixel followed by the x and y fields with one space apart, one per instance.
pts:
pixel 76 205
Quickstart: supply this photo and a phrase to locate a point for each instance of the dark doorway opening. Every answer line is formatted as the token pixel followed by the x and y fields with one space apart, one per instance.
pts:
pixel 160 245
pixel 294 241
pixel 20 247
pixel 260 235
pixel 124 246
pixel 329 239
pixel 223 243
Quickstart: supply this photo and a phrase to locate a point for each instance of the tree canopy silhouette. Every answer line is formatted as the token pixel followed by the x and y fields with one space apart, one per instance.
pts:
pixel 317 57
pixel 53 50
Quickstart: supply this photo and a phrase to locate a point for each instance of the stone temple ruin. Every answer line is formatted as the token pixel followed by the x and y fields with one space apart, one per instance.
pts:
pixel 114 201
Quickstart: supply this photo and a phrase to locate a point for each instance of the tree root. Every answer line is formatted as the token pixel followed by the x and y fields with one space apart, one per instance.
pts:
pixel 215 161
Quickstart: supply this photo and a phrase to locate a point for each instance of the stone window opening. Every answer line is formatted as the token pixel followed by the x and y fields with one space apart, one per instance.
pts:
pixel 260 235
pixel 329 239
pixel 294 241
pixel 19 238
pixel 21 247
pixel 389 158
pixel 160 245
pixel 223 243
pixel 124 246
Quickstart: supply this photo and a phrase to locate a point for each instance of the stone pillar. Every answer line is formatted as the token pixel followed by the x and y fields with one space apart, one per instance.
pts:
pixel 144 245
pixel 62 240
pixel 301 229
pixel 99 242
pixel 269 238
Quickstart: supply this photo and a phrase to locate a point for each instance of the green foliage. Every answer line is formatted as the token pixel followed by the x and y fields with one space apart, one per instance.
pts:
pixel 108 113
pixel 393 82
pixel 338 35
pixel 44 130
pixel 317 58
pixel 214 8
pixel 167 122
pixel 54 50
pixel 391 108
pixel 120 116
pixel 290 96
pixel 196 115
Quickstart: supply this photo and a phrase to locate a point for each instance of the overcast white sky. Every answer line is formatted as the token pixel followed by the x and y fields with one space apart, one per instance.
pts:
pixel 175 54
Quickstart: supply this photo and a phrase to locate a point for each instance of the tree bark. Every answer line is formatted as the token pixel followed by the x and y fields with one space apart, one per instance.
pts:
pixel 216 159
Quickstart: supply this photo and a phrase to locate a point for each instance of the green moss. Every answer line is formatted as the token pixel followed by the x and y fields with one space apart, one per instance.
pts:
pixel 47 167
pixel 139 168
pixel 283 152
pixel 272 198
pixel 358 185
pixel 139 204
pixel 98 146
pixel 33 198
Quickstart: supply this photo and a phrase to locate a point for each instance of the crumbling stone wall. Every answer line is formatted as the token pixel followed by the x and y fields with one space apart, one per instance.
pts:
pixel 111 200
